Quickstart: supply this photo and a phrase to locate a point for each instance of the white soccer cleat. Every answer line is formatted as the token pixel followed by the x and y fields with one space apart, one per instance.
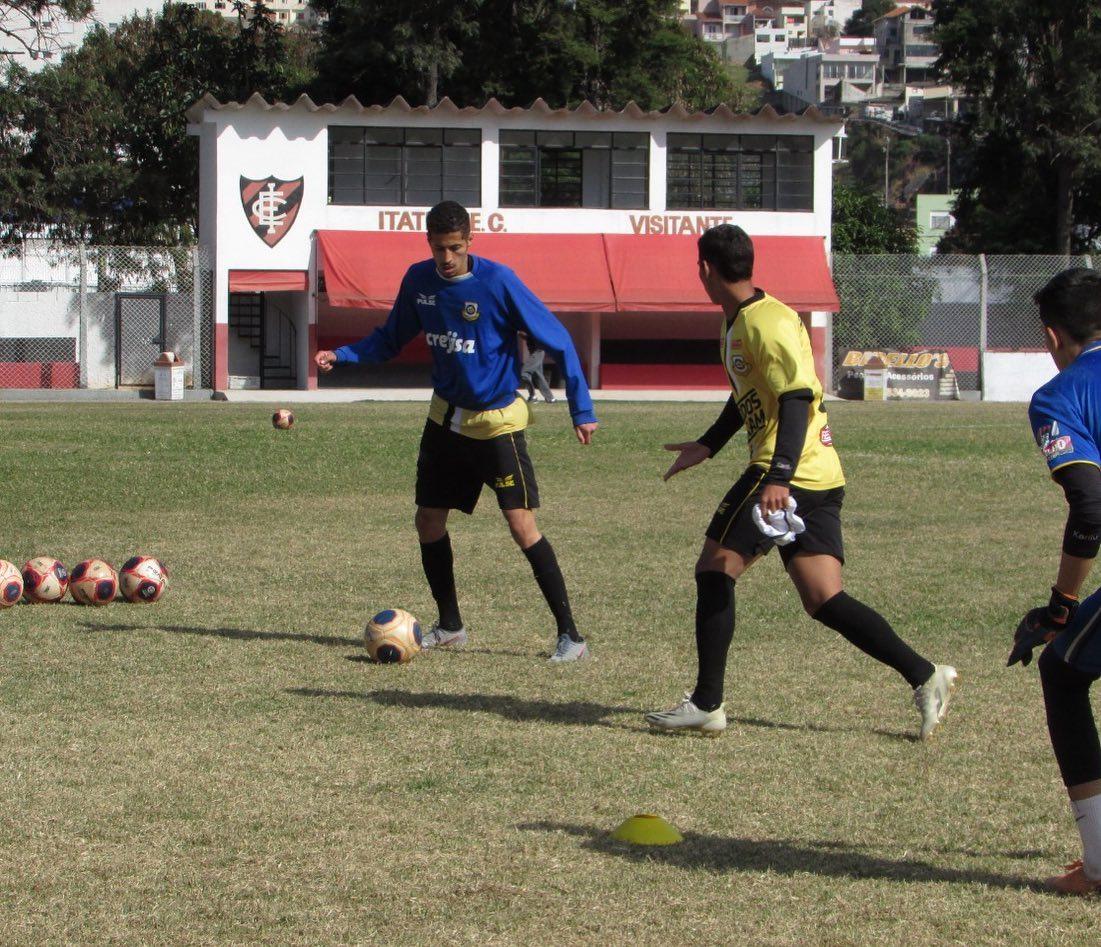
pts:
pixel 932 697
pixel 570 650
pixel 439 637
pixel 687 716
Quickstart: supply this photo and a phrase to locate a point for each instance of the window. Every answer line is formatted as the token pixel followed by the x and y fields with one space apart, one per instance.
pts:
pixel 410 166
pixel 940 220
pixel 574 169
pixel 740 172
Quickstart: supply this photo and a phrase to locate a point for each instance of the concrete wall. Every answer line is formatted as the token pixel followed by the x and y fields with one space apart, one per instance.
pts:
pixel 1015 376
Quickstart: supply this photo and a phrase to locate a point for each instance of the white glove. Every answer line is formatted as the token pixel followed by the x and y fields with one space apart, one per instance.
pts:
pixel 781 526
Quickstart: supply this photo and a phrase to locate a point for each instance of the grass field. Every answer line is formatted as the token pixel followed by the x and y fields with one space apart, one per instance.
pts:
pixel 224 767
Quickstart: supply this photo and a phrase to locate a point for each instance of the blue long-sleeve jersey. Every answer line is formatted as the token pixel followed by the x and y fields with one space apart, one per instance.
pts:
pixel 470 326
pixel 1065 413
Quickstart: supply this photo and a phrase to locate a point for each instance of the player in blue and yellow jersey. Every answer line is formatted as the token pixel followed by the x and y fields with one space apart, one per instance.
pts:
pixel 777 397
pixel 470 311
pixel 1066 421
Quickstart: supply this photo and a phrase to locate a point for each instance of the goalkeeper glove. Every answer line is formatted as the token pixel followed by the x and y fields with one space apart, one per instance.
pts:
pixel 781 526
pixel 1041 625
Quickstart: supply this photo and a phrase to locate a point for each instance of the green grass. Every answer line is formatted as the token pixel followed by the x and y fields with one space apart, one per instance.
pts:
pixel 224 767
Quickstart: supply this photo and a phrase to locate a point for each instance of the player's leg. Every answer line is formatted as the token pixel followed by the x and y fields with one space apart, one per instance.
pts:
pixel 1074 737
pixel 814 564
pixel 544 389
pixel 444 482
pixel 732 544
pixel 509 470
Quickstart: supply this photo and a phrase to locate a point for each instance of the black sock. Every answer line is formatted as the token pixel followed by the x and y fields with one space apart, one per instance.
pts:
pixel 439 569
pixel 870 632
pixel 1070 719
pixel 714 632
pixel 544 564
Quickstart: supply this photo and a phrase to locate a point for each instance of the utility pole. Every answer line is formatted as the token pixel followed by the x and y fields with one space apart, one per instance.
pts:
pixel 887 172
pixel 948 169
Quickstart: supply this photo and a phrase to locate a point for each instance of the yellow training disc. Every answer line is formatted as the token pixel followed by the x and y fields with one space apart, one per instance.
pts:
pixel 647 830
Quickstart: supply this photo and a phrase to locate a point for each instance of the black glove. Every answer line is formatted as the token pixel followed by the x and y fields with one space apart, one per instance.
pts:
pixel 1040 625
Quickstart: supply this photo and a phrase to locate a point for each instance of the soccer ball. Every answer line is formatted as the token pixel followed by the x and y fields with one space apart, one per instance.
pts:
pixel 143 579
pixel 94 582
pixel 282 419
pixel 11 584
pixel 44 580
pixel 393 636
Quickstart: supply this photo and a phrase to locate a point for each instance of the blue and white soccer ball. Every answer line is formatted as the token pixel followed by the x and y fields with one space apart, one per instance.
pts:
pixel 393 636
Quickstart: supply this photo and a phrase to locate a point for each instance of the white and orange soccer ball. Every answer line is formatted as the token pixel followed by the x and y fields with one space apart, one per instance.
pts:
pixel 11 584
pixel 143 579
pixel 94 582
pixel 393 636
pixel 44 580
pixel 282 419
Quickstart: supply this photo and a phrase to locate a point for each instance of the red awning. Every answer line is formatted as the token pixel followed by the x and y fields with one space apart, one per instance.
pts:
pixel 568 272
pixel 659 274
pixel 256 281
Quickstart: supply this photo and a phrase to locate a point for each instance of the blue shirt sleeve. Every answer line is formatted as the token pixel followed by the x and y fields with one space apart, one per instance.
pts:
pixel 1061 434
pixel 529 314
pixel 391 337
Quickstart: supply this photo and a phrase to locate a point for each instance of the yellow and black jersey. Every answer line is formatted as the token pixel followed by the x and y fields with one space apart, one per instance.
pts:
pixel 767 354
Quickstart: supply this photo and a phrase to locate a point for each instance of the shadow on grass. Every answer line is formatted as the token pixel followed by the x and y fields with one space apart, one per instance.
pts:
pixel 781 856
pixel 818 728
pixel 503 705
pixel 240 634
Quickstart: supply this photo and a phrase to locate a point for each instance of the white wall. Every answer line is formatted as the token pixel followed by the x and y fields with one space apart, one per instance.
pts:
pixel 256 143
pixel 1015 376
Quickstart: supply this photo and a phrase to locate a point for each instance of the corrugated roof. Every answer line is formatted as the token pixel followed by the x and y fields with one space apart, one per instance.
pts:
pixel 445 107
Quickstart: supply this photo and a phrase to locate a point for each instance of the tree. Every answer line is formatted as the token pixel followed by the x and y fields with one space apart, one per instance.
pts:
pixel 1033 70
pixel 883 304
pixel 862 22
pixel 862 224
pixel 35 25
pixel 608 52
pixel 96 148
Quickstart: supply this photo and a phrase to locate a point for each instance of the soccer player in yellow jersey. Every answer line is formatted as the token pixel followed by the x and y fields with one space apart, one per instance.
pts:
pixel 778 399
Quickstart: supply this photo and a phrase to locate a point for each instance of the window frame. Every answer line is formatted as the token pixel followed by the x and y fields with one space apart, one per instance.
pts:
pixel 739 172
pixel 523 154
pixel 413 161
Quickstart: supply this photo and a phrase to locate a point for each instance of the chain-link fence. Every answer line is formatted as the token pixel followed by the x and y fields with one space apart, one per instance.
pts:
pixel 97 317
pixel 955 306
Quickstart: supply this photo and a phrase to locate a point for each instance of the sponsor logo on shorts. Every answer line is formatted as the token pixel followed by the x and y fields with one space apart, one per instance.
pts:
pixel 509 480
pixel 826 436
pixel 723 507
pixel 470 312
pixel 449 342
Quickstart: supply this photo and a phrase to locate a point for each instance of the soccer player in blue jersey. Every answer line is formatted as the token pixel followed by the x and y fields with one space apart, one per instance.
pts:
pixel 1066 420
pixel 471 310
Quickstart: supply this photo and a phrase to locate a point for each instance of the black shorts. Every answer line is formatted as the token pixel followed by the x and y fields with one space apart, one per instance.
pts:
pixel 732 525
pixel 452 469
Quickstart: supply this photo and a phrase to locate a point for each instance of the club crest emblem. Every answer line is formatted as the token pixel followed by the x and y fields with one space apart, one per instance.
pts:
pixel 470 312
pixel 738 364
pixel 271 206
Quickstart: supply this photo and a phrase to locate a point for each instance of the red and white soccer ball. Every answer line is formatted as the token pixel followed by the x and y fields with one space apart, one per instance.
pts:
pixel 282 419
pixel 11 584
pixel 393 636
pixel 44 580
pixel 94 582
pixel 143 579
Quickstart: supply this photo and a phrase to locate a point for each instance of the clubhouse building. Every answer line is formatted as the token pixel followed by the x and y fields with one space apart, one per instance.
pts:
pixel 313 212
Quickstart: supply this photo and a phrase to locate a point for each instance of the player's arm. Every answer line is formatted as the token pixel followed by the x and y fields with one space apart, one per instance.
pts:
pixel 778 355
pixel 530 315
pixel 1073 460
pixel 385 342
pixel 713 440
